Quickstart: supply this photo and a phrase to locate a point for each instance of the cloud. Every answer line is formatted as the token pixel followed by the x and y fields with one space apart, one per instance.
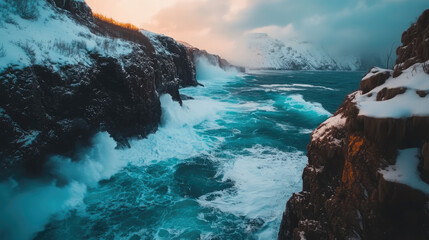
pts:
pixel 279 32
pixel 343 26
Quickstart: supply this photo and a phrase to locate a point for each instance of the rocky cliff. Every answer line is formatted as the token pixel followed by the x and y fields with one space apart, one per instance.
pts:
pixel 368 165
pixel 214 59
pixel 66 75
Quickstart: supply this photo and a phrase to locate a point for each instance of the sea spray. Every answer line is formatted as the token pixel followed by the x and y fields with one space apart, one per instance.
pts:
pixel 98 162
pixel 178 135
pixel 297 103
pixel 208 71
pixel 26 205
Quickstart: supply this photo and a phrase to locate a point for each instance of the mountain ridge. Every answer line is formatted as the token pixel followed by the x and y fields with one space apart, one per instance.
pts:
pixel 268 53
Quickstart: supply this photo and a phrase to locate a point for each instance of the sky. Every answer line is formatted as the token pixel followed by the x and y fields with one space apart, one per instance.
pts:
pixel 347 27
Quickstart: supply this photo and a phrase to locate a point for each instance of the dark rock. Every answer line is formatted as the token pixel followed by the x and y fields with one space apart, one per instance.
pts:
pixel 186 97
pixel 389 93
pixel 175 69
pixel 374 81
pixel 414 48
pixel 421 93
pixel 77 8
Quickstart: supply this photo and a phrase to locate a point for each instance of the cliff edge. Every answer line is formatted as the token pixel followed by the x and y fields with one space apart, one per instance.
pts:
pixel 66 74
pixel 367 175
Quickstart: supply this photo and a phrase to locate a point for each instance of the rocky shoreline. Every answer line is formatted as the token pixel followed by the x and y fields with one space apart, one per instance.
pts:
pixel 54 108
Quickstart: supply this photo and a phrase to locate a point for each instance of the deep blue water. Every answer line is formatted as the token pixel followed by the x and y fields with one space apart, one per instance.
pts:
pixel 220 167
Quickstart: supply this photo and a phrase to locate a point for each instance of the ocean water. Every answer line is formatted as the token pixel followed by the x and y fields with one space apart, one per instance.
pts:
pixel 222 166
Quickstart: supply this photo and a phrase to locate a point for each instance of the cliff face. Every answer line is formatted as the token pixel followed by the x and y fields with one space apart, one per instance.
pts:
pixel 195 53
pixel 88 76
pixel 367 171
pixel 176 65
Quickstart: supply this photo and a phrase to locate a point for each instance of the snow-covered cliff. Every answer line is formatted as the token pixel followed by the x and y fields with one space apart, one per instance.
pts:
pixel 66 75
pixel 367 175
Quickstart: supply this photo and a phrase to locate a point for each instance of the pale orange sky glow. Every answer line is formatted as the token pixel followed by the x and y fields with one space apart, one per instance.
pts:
pixel 198 22
pixel 138 12
pixel 221 26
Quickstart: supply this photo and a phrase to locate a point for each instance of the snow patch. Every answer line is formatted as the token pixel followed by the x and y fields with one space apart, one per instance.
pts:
pixel 374 71
pixel 403 105
pixel 405 170
pixel 52 39
pixel 302 235
pixel 157 44
pixel 338 121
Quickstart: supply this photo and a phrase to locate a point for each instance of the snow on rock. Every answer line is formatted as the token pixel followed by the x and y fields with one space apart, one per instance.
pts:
pixel 155 39
pixel 336 122
pixel 405 170
pixel 50 39
pixel 372 72
pixel 407 102
pixel 302 236
pixel 28 139
pixel 270 53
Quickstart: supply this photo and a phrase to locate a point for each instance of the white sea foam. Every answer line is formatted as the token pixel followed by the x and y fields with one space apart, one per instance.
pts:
pixel 97 163
pixel 26 206
pixel 284 89
pixel 264 179
pixel 296 102
pixel 299 86
pixel 305 131
pixel 176 136
pixel 258 106
pixel 285 127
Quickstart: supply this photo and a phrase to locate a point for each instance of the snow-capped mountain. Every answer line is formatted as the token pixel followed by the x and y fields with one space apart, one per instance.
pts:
pixel 270 53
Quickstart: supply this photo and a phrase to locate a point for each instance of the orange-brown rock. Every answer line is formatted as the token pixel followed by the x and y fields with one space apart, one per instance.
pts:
pixel 389 93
